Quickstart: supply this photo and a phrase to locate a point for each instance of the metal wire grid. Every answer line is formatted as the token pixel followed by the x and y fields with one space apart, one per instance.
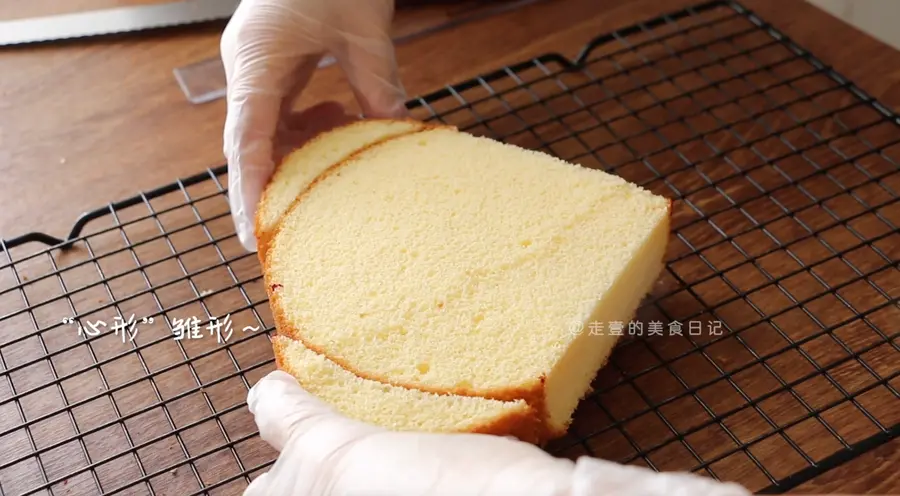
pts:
pixel 784 232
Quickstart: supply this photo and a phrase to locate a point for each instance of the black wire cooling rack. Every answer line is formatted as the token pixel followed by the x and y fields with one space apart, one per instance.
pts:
pixel 784 248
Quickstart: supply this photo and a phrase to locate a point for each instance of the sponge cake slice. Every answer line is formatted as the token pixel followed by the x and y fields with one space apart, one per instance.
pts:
pixel 453 264
pixel 398 408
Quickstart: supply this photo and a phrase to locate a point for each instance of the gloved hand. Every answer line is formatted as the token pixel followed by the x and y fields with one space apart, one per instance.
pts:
pixel 270 50
pixel 323 453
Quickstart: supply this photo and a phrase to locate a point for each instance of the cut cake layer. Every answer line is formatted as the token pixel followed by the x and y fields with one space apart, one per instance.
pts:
pixel 388 406
pixel 448 263
pixel 300 168
pixel 401 409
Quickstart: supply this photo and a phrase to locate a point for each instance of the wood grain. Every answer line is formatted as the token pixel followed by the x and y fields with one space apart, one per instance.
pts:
pixel 871 473
pixel 85 123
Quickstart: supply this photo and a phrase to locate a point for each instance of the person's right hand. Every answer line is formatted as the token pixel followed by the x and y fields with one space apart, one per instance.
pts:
pixel 270 50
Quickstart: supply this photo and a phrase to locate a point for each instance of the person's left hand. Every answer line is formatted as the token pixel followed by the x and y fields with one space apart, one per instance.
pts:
pixel 323 453
pixel 270 51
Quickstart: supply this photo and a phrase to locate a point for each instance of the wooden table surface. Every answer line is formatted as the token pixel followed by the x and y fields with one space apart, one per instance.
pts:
pixel 89 122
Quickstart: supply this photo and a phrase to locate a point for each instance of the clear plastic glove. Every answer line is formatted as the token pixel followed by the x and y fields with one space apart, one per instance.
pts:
pixel 270 50
pixel 323 453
